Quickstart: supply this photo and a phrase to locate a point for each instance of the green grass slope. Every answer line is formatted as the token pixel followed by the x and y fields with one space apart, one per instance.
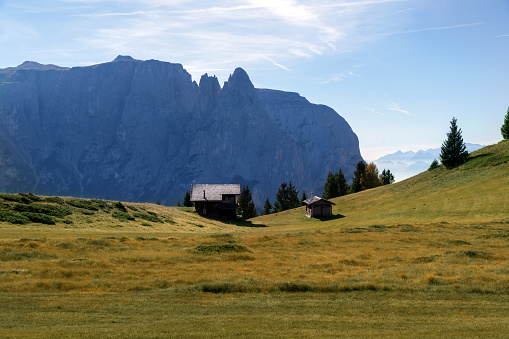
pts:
pixel 474 193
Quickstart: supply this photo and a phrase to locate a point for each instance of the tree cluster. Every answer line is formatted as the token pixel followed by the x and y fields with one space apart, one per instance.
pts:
pixel 287 198
pixel 335 185
pixel 367 176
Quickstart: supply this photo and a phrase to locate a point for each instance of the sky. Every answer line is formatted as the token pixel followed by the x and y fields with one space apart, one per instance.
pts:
pixel 397 70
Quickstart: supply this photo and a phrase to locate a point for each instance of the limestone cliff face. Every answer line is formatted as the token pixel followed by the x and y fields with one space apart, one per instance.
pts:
pixel 144 131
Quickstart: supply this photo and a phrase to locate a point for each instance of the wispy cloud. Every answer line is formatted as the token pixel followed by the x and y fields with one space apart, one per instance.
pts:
pixel 274 63
pixel 339 77
pixel 372 110
pixel 395 107
pixel 442 28
pixel 503 36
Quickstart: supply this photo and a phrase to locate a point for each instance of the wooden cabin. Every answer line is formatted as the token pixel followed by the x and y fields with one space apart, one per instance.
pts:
pixel 216 201
pixel 317 207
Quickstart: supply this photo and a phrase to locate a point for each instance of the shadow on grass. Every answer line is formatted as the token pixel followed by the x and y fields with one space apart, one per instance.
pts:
pixel 333 217
pixel 245 223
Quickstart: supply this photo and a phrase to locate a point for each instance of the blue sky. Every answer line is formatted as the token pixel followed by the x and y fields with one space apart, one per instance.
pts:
pixel 396 70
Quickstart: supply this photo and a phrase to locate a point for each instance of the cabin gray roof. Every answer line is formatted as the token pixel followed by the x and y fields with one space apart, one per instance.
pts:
pixel 314 199
pixel 213 192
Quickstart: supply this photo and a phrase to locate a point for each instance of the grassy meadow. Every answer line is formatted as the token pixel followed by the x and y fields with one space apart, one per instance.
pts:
pixel 428 256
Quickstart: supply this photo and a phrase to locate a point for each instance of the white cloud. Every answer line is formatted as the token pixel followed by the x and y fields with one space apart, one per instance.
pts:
pixel 395 107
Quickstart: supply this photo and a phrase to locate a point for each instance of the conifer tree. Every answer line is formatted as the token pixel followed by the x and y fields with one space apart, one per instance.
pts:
pixel 267 208
pixel 386 177
pixel 331 187
pixel 453 152
pixel 303 197
pixel 505 127
pixel 187 200
pixel 359 171
pixel 343 186
pixel 293 196
pixel 434 165
pixel 246 205
pixel 287 197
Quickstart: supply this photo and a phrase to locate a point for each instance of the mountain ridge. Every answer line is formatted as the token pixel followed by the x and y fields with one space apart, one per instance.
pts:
pixel 144 131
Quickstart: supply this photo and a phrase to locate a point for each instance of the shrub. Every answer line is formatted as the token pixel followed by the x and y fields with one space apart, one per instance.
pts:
pixel 55 211
pixel 55 200
pixel 221 248
pixel 120 206
pixel 82 203
pixel 15 198
pixel 148 217
pixel 38 217
pixel 122 216
pixel 13 218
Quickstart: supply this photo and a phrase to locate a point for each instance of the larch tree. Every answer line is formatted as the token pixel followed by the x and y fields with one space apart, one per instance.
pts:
pixel 370 177
pixel 453 151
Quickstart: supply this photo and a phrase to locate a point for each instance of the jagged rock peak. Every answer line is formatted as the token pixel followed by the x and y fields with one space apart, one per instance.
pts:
pixel 123 58
pixel 239 79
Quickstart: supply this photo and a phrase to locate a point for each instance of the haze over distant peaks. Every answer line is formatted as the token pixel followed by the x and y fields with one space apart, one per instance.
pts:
pixel 407 164
pixel 138 130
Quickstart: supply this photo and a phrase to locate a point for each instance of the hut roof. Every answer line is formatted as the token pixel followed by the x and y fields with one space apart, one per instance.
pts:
pixel 315 199
pixel 213 192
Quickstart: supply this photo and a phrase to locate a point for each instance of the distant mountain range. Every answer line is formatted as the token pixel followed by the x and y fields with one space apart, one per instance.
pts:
pixel 407 164
pixel 135 130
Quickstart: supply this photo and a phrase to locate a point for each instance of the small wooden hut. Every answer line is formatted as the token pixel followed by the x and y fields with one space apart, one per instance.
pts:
pixel 217 201
pixel 317 207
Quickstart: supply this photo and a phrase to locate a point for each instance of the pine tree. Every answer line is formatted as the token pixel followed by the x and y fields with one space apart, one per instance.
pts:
pixel 370 177
pixel 331 187
pixel 293 196
pixel 303 197
pixel 187 200
pixel 343 186
pixel 434 164
pixel 246 205
pixel 281 203
pixel 453 152
pixel 505 127
pixel 267 208
pixel 287 197
pixel 359 171
pixel 386 177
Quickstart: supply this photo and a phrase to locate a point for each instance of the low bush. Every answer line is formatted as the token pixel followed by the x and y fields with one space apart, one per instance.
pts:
pixel 39 217
pixel 13 218
pixel 120 206
pixel 52 210
pixel 82 203
pixel 15 198
pixel 221 248
pixel 122 216
pixel 148 217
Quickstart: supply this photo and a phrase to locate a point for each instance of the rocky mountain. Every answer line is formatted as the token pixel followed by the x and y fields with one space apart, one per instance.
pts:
pixel 407 164
pixel 137 130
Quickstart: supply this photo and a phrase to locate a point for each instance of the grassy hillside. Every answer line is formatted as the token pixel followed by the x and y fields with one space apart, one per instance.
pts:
pixel 31 214
pixel 475 193
pixel 426 257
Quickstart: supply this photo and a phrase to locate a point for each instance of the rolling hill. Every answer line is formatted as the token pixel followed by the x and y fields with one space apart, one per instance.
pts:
pixel 474 193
